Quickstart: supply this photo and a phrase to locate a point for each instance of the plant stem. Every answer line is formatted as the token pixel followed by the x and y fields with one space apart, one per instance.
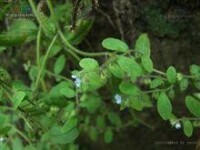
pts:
pixel 38 47
pixel 159 72
pixel 22 135
pixel 44 62
pixel 66 42
pixel 158 90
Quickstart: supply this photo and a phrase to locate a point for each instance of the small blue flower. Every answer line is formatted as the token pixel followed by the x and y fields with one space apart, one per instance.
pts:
pixel 2 139
pixel 118 99
pixel 177 126
pixel 77 81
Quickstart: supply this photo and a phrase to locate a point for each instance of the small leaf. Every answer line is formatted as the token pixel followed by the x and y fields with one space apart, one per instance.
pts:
pixel 93 132
pixel 55 50
pixel 58 136
pixel 116 70
pixel 89 63
pixel 130 66
pixel 17 98
pixel 184 84
pixel 100 122
pixel 147 64
pixel 108 136
pixel 114 118
pixel 187 127
pixel 70 124
pixel 128 88
pixel 68 92
pixel 164 106
pixel 193 105
pixel 171 75
pixel 136 104
pixel 195 70
pixel 156 83
pixel 2 49
pixel 59 64
pixel 115 45
pixel 143 45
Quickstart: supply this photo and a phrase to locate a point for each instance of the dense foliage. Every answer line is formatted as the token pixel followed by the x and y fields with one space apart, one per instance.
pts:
pixel 70 92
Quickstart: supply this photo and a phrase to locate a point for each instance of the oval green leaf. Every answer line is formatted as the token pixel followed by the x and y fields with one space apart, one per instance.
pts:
pixel 115 45
pixel 193 105
pixel 187 127
pixel 147 63
pixel 143 45
pixel 88 64
pixel 171 75
pixel 59 64
pixel 164 106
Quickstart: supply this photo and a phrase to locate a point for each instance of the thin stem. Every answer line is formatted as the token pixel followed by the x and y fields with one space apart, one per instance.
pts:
pixel 158 90
pixel 57 76
pixel 74 49
pixel 38 47
pixel 44 62
pixel 159 72
pixel 22 134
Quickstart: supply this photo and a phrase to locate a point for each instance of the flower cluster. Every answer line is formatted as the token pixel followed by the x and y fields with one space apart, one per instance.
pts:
pixel 77 81
pixel 118 98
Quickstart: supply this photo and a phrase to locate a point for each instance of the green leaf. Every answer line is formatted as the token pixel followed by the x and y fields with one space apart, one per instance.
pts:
pixel 140 101
pixel 187 127
pixel 136 104
pixel 24 26
pixel 56 48
pixel 128 88
pixel 62 89
pixel 4 130
pixel 17 98
pixel 92 81
pixel 114 118
pixel 2 49
pixel 70 124
pixel 143 45
pixel 59 64
pixel 147 63
pixel 164 106
pixel 100 122
pixel 195 70
pixel 171 75
pixel 183 84
pixel 17 144
pixel 116 70
pixel 130 66
pixel 115 45
pixel 58 136
pixel 89 64
pixel 93 132
pixel 68 92
pixel 91 102
pixel 108 136
pixel 193 105
pixel 156 83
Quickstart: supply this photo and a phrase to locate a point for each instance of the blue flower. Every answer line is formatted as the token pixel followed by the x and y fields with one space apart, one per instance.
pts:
pixel 175 123
pixel 177 126
pixel 118 99
pixel 77 81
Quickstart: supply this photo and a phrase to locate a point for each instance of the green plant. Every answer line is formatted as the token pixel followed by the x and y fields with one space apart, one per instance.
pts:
pixel 61 103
